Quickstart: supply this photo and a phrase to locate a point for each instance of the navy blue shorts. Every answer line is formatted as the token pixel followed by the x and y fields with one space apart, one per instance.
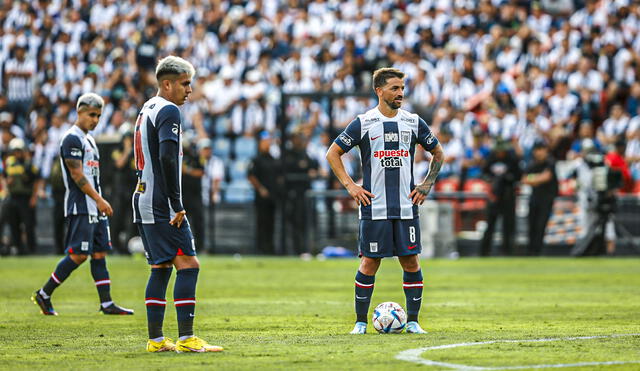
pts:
pixel 393 237
pixel 163 242
pixel 87 234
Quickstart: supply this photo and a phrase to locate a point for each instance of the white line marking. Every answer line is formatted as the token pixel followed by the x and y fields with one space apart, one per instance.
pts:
pixel 413 355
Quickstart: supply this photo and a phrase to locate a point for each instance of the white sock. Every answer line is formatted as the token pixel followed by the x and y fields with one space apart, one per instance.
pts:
pixel 44 294
pixel 182 338
pixel 106 304
pixel 158 339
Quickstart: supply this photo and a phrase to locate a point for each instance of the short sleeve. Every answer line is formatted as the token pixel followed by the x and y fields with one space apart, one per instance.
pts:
pixel 426 137
pixel 350 137
pixel 168 124
pixel 71 148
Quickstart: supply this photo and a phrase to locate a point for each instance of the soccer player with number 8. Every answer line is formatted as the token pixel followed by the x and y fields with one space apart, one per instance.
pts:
pixel 387 136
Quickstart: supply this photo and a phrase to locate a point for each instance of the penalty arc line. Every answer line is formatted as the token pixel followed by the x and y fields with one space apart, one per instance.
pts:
pixel 414 355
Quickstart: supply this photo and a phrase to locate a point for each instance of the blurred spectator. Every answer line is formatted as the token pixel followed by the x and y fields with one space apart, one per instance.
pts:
pixel 56 182
pixel 211 186
pixel 23 185
pixel 19 72
pixel 502 170
pixel 614 126
pixel 632 155
pixel 263 173
pixel 475 156
pixel 193 167
pixel 455 153
pixel 299 171
pixel 615 159
pixel 124 183
pixel 585 135
pixel 541 177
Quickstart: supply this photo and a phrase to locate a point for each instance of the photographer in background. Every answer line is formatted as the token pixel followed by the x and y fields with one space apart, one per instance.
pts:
pixel 599 178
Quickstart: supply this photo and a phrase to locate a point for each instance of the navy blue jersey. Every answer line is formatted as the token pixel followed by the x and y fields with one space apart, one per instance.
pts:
pixel 158 121
pixel 387 148
pixel 78 145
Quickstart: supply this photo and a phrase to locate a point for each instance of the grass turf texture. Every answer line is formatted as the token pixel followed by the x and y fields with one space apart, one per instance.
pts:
pixel 283 313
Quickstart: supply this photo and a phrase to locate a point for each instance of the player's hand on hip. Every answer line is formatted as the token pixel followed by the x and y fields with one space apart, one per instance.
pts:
pixel 104 207
pixel 420 193
pixel 178 219
pixel 361 195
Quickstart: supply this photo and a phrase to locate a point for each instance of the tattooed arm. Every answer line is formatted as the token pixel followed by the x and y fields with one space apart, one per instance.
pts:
pixel 420 192
pixel 75 168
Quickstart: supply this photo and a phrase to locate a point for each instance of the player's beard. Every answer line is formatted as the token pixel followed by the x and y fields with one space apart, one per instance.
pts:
pixel 394 104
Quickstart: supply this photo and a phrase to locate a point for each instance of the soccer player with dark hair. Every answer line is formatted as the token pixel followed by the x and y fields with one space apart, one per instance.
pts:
pixel 85 210
pixel 387 136
pixel 158 210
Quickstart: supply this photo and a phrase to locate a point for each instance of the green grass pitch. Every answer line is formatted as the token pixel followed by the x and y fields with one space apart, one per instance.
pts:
pixel 288 314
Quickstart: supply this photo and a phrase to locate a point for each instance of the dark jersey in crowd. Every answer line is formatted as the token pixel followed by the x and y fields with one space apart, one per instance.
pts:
pixel 297 165
pixel 503 171
pixel 547 189
pixel 191 185
pixel 267 170
pixel 22 174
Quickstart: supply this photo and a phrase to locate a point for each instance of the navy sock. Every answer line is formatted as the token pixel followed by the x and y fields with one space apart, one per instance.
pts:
pixel 101 278
pixel 184 298
pixel 413 292
pixel 155 300
pixel 364 291
pixel 63 270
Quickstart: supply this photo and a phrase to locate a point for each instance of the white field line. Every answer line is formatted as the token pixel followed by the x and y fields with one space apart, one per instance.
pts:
pixel 414 355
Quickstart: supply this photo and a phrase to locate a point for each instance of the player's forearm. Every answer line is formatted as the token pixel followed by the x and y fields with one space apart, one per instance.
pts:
pixel 86 187
pixel 335 161
pixel 437 160
pixel 169 165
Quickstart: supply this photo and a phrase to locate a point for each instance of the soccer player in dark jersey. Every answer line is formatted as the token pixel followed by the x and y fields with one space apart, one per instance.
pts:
pixel 388 199
pixel 158 211
pixel 85 210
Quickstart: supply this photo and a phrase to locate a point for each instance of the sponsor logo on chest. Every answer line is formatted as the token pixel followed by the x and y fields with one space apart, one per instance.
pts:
pixel 391 137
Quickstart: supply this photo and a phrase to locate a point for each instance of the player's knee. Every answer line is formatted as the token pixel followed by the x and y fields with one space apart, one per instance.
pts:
pixel 186 262
pixel 369 266
pixel 410 263
pixel 98 255
pixel 78 258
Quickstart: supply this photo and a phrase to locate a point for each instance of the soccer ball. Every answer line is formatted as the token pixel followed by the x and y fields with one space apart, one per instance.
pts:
pixel 389 318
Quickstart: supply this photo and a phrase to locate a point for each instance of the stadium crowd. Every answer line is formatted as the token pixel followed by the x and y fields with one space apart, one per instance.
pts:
pixel 563 73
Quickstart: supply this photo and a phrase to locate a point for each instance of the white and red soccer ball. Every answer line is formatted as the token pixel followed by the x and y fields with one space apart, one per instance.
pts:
pixel 389 318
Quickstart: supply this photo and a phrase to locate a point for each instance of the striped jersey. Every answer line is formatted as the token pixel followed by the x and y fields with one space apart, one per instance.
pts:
pixel 78 145
pixel 158 121
pixel 387 148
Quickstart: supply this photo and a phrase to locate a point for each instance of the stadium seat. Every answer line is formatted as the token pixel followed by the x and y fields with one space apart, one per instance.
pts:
pixel 238 191
pixel 245 148
pixel 238 169
pixel 221 148
pixel 447 185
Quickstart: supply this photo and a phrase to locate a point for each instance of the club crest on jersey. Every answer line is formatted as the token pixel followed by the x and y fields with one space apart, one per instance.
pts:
pixel 405 136
pixel 390 137
pixel 345 138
